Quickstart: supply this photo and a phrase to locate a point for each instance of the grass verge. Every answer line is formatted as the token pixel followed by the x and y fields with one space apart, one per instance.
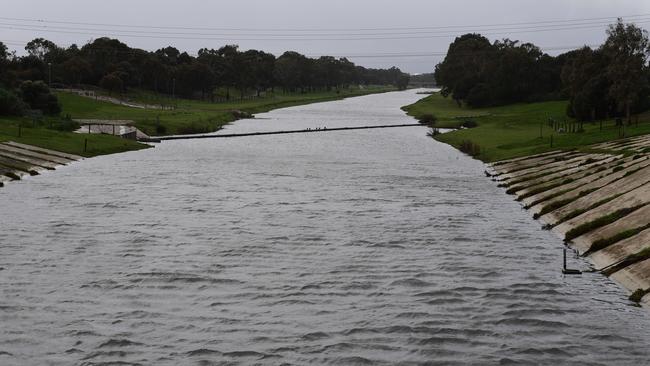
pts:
pixel 514 130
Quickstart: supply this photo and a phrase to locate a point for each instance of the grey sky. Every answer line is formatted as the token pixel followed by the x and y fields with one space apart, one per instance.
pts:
pixel 333 21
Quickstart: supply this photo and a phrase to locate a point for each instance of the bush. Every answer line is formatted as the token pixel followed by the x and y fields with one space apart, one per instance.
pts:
pixel 10 104
pixel 470 123
pixel 469 148
pixel 428 119
pixel 38 96
pixel 161 129
pixel 638 295
pixel 237 114
pixel 66 124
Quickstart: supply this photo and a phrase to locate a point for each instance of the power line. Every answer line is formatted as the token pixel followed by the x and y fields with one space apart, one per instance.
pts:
pixel 446 32
pixel 557 22
pixel 362 36
pixel 244 38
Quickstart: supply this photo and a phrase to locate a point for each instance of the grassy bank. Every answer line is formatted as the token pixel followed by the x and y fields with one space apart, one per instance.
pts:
pixel 43 136
pixel 191 116
pixel 514 130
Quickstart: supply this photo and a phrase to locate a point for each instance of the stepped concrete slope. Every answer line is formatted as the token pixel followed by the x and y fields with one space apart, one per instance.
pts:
pixel 19 160
pixel 598 202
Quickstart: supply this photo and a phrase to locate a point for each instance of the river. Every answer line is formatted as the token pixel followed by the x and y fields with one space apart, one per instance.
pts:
pixel 355 247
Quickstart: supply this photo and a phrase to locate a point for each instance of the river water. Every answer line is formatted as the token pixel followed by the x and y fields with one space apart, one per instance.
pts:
pixel 355 247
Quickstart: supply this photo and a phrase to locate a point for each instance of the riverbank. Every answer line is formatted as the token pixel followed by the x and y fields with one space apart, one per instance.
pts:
pixel 512 131
pixel 341 246
pixel 188 117
pixel 44 134
pixel 598 202
pixel 591 187
pixel 194 116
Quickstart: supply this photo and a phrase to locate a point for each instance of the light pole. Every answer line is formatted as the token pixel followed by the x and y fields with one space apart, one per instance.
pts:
pixel 49 67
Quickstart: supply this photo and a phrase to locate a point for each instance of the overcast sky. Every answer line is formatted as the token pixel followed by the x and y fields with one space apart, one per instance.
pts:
pixel 415 32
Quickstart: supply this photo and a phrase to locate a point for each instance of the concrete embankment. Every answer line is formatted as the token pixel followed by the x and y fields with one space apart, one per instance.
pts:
pixel 598 202
pixel 19 160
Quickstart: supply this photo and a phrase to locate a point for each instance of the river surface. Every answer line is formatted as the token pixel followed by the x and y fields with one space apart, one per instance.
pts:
pixel 355 247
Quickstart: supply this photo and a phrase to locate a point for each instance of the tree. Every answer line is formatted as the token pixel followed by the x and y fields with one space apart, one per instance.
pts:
pixel 483 74
pixel 464 66
pixel 4 53
pixel 584 78
pixel 75 70
pixel 260 70
pixel 112 82
pixel 194 77
pixel 627 47
pixel 289 69
pixel 42 49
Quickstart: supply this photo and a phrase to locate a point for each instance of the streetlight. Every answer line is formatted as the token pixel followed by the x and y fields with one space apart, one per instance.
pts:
pixel 49 66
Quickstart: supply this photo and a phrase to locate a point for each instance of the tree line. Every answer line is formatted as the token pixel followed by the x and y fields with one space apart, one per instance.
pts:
pixel 608 81
pixel 113 65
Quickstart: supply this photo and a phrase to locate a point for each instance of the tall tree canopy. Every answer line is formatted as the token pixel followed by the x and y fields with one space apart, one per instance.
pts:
pixel 480 73
pixel 113 65
pixel 627 48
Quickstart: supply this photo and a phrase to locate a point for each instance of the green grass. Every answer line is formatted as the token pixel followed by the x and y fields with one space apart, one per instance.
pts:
pixel 605 242
pixel 580 211
pixel 189 116
pixel 631 259
pixel 192 116
pixel 68 142
pixel 561 203
pixel 513 130
pixel 599 222
pixel 638 295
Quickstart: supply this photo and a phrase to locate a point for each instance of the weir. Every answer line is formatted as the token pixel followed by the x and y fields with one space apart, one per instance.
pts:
pixel 310 130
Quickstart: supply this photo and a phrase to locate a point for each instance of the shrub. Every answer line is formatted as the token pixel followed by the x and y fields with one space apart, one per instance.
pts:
pixel 161 129
pixel 638 295
pixel 241 114
pixel 38 96
pixel 470 123
pixel 10 104
pixel 428 119
pixel 470 148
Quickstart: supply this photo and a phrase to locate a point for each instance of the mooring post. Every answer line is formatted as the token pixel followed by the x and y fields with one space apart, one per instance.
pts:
pixel 564 264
